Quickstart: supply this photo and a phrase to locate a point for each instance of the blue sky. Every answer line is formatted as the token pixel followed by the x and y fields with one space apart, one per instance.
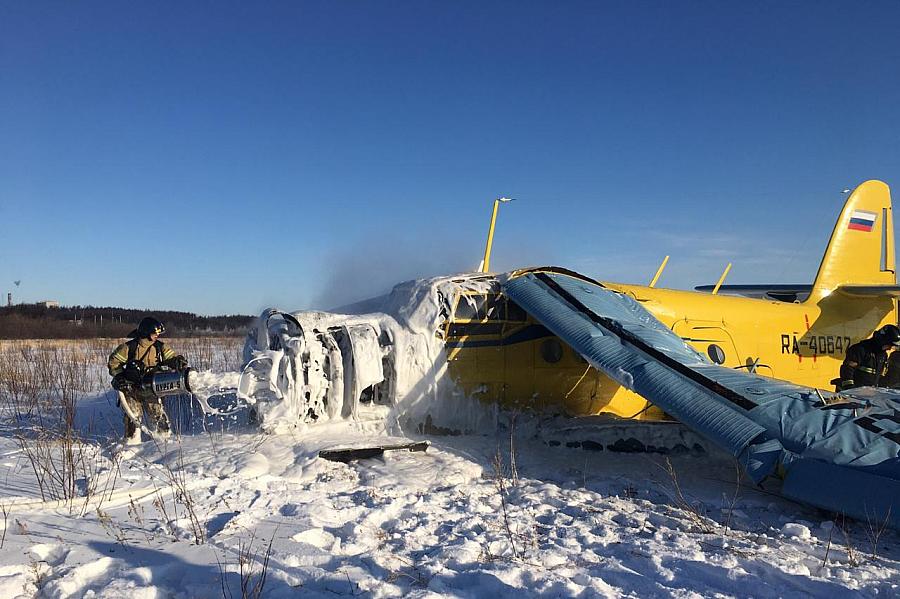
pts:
pixel 221 157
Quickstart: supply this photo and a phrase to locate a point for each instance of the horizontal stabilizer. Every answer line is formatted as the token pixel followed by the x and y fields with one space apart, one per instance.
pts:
pixel 870 290
pixel 771 426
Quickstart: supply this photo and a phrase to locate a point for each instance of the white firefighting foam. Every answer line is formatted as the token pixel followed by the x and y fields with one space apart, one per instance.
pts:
pixel 381 359
pixel 205 384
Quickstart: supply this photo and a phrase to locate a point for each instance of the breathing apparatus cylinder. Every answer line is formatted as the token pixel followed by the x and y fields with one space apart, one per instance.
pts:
pixel 163 383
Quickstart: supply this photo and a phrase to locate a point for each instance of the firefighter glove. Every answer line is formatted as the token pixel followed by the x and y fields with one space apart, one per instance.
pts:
pixel 121 383
pixel 178 363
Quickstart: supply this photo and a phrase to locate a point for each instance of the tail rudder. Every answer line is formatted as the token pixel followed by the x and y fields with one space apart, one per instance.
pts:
pixel 861 249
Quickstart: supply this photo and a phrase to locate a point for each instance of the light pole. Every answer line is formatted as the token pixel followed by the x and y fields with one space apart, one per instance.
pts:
pixel 486 263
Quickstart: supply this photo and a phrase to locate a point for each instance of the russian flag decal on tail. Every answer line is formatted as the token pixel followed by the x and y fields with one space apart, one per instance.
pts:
pixel 860 220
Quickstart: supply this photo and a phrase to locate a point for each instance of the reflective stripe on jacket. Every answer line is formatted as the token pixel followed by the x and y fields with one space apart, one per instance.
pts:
pixel 144 353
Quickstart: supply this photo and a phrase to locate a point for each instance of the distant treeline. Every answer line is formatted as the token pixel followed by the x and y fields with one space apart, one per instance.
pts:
pixel 37 321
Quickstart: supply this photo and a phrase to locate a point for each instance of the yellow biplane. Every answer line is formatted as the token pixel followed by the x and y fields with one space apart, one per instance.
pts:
pixel 745 367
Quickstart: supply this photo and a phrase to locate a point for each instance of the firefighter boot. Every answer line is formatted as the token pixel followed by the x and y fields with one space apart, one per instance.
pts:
pixel 159 418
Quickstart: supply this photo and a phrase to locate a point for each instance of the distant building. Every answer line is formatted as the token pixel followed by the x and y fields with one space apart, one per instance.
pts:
pixel 49 304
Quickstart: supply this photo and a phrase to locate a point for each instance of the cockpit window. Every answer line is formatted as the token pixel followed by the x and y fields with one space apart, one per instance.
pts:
pixel 514 312
pixel 491 307
pixel 470 307
pixel 494 307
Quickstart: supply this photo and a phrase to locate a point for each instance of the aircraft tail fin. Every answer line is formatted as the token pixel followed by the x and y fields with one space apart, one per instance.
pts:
pixel 861 249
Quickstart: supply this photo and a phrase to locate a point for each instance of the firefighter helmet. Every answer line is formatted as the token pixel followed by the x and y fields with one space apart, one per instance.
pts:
pixel 888 335
pixel 148 326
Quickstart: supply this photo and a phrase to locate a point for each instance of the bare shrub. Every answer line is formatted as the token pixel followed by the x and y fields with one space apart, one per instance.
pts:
pixel 253 581
pixel 875 527
pixel 112 528
pixel 738 479
pixel 182 504
pixel 41 386
pixel 518 541
pixel 500 483
pixel 252 569
pixel 18 384
pixel 693 509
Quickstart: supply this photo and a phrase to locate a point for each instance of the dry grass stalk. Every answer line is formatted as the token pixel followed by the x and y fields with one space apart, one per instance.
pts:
pixel 692 509
pixel 182 494
pixel 828 546
pixel 852 558
pixel 738 479
pixel 875 528
pixel 252 578
pixel 252 582
pixel 500 482
pixel 5 511
pixel 182 504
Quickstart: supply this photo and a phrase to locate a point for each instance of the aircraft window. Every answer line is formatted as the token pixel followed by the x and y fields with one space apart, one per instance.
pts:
pixel 514 312
pixel 551 351
pixel 494 307
pixel 470 307
pixel 716 353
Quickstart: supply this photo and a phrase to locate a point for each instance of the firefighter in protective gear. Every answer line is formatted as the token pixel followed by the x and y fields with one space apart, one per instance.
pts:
pixel 866 362
pixel 129 363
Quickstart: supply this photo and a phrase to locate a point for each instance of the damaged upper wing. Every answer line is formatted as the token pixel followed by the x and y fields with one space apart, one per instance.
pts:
pixel 836 451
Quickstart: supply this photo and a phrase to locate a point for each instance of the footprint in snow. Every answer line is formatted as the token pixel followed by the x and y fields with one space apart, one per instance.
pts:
pixel 217 523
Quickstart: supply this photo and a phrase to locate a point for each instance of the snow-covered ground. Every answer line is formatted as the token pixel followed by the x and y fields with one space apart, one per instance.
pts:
pixel 473 516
